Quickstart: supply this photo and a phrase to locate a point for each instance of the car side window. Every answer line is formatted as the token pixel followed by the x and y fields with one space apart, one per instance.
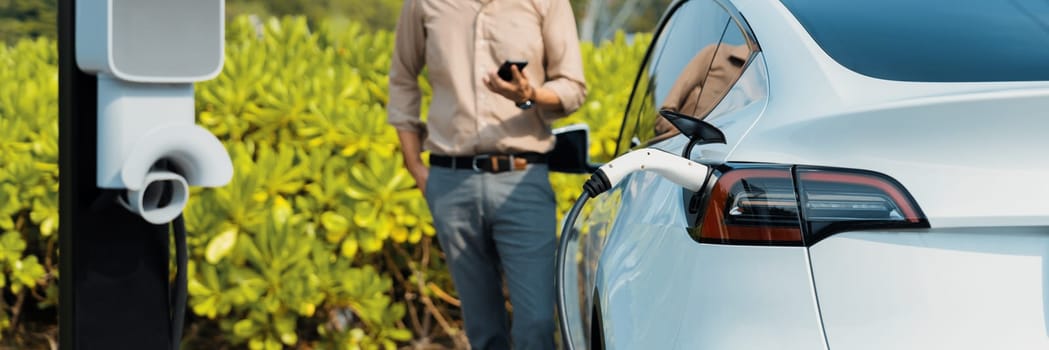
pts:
pixel 743 74
pixel 703 53
pixel 638 100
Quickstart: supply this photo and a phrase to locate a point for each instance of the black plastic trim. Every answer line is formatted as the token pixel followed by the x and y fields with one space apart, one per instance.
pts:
pixel 597 184
pixel 748 243
pixel 596 341
pixel 811 238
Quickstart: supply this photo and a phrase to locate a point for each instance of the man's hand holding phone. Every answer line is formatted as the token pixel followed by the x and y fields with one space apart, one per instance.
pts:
pixel 506 69
pixel 510 82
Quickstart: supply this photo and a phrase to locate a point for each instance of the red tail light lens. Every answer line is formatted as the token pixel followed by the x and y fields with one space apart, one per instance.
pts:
pixel 791 207
pixel 752 206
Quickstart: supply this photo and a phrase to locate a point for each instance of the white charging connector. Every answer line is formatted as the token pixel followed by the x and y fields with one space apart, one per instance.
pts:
pixel 684 172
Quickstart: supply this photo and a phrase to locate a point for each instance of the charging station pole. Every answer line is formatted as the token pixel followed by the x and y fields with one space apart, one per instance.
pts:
pixel 113 265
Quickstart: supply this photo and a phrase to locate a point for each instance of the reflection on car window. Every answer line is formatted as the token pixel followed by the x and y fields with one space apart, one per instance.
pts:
pixel 695 26
pixel 706 79
pixel 726 89
pixel 751 87
pixel 628 135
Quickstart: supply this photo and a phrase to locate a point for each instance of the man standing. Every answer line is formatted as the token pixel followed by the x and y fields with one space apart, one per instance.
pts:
pixel 488 189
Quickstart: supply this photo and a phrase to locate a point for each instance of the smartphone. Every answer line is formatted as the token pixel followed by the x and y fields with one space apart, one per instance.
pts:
pixel 504 70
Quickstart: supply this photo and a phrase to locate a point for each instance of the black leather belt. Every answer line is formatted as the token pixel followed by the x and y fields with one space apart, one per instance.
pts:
pixel 493 163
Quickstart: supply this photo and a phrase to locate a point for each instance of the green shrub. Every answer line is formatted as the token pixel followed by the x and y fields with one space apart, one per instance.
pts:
pixel 28 177
pixel 321 240
pixel 610 71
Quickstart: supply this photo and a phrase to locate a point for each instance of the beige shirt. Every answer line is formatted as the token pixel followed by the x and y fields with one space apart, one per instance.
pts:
pixel 460 42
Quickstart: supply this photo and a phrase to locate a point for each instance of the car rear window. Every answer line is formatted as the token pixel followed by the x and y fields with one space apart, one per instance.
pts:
pixel 933 40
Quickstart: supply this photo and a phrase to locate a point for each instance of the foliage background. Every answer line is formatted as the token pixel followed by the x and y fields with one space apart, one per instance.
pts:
pixel 321 241
pixel 21 19
pixel 598 19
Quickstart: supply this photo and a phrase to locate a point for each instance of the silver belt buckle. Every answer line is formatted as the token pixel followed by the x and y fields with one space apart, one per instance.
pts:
pixel 473 162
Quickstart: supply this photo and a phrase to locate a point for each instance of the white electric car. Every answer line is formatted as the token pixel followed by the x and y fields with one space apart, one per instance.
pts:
pixel 883 183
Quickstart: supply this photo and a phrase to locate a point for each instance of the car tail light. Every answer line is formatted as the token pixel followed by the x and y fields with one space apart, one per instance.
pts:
pixel 785 206
pixel 753 206
pixel 837 200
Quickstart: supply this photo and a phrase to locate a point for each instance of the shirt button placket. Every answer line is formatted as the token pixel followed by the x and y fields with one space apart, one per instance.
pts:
pixel 479 89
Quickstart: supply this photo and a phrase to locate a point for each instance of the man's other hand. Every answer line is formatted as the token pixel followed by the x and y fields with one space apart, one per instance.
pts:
pixel 420 173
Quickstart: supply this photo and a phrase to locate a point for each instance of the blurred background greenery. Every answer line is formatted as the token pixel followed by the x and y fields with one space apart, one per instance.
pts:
pixel 321 241
pixel 27 19
pixel 597 19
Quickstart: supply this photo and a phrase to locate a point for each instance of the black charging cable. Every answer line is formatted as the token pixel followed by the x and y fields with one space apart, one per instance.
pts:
pixel 568 235
pixel 597 184
pixel 179 294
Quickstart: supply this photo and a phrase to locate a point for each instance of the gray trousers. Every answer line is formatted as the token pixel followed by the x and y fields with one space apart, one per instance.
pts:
pixel 494 224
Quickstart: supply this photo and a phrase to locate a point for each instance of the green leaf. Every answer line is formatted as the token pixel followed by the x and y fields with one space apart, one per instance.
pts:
pixel 334 222
pixel 281 210
pixel 194 287
pixel 400 334
pixel 272 344
pixel 285 326
pixel 245 328
pixel 349 248
pixel 11 246
pixel 27 272
pixel 221 245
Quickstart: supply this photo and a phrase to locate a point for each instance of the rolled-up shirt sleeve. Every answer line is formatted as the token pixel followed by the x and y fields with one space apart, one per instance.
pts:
pixel 564 64
pixel 409 51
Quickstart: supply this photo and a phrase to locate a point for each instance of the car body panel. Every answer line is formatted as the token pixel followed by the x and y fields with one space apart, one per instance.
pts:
pixel 972 156
pixel 660 289
pixel 639 254
pixel 960 169
pixel 971 288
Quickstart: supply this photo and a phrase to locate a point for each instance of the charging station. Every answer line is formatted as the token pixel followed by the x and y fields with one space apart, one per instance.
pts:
pixel 128 151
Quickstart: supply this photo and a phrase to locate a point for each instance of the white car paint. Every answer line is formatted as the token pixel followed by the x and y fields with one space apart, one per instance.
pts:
pixel 973 156
pixel 979 278
pixel 973 288
pixel 661 290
